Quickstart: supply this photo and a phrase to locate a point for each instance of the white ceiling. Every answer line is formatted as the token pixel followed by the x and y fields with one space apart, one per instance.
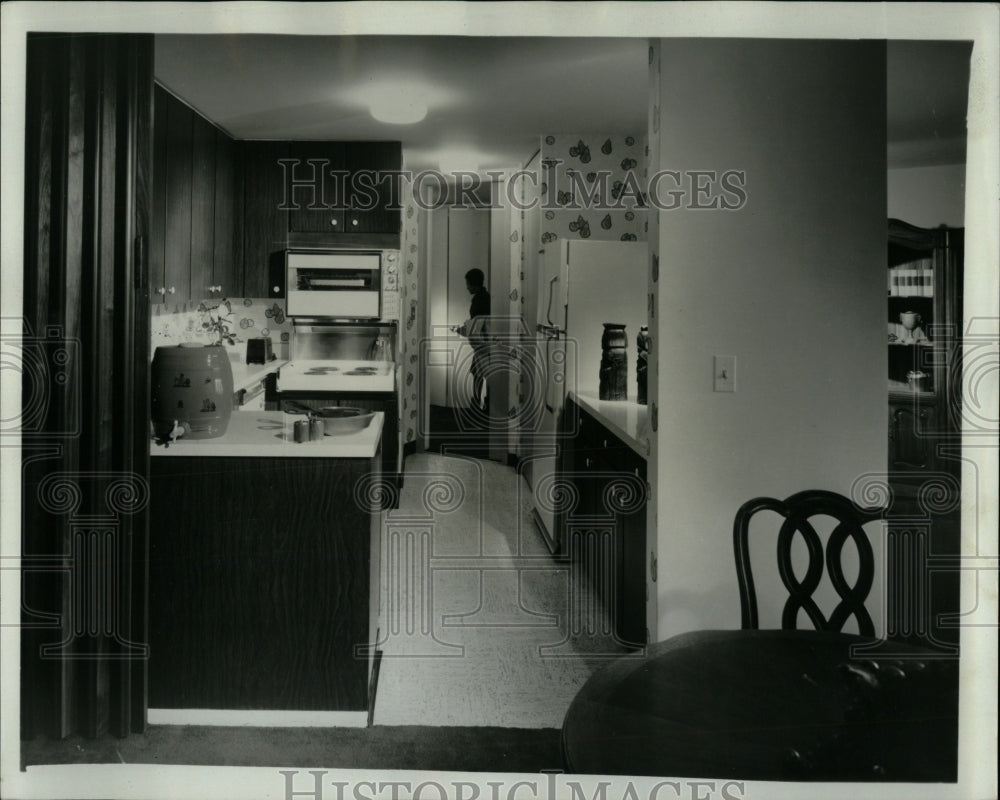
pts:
pixel 491 98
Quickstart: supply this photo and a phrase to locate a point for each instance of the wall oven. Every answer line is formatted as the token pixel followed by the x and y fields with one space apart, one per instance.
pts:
pixel 336 284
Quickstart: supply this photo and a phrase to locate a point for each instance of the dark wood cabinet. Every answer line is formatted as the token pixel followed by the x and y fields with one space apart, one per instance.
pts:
pixel 203 209
pixel 176 286
pixel 196 229
pixel 604 532
pixel 924 359
pixel 224 211
pixel 227 274
pixel 386 402
pixel 263 580
pixel 374 203
pixel 344 177
pixel 265 223
pixel 316 181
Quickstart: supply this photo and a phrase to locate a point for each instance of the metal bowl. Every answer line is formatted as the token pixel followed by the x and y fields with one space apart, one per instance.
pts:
pixel 338 420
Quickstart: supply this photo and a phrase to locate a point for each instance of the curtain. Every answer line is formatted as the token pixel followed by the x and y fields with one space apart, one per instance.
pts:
pixel 84 366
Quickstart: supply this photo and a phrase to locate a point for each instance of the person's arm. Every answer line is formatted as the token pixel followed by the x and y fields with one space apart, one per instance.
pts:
pixel 479 313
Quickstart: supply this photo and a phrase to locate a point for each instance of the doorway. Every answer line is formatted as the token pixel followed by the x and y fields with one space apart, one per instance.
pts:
pixel 458 241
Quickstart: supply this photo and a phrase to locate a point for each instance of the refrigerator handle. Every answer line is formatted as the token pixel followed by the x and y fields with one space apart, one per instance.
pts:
pixel 548 311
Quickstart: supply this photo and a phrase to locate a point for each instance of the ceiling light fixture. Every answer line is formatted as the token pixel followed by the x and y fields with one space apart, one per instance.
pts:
pixel 398 105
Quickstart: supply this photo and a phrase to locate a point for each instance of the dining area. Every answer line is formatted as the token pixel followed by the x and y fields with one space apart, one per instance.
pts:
pixel 804 701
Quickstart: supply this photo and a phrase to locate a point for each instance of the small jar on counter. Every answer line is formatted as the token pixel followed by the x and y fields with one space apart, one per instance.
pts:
pixel 302 430
pixel 317 429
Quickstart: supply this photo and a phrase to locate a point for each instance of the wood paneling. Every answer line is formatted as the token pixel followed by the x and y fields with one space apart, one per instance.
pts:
pixel 328 156
pixel 198 207
pixel 374 157
pixel 177 228
pixel 203 203
pixel 265 227
pixel 87 165
pixel 260 574
pixel 228 271
pixel 158 234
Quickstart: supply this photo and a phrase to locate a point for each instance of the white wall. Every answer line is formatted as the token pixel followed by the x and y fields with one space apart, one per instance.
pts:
pixel 928 196
pixel 793 285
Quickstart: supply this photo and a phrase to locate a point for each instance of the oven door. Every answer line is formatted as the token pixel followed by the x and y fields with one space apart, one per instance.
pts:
pixel 334 285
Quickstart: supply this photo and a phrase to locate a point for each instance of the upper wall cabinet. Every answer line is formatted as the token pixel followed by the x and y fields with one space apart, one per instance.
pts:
pixel 265 224
pixel 335 186
pixel 195 249
pixel 317 185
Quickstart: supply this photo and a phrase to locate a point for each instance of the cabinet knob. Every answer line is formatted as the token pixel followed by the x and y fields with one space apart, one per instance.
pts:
pixel 333 222
pixel 276 289
pixel 171 290
pixel 354 222
pixel 162 290
pixel 605 444
pixel 587 462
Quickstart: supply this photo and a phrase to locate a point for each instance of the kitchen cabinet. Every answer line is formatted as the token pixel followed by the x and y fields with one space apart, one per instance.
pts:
pixel 386 402
pixel 227 272
pixel 360 205
pixel 263 580
pixel 924 363
pixel 176 282
pixel 327 189
pixel 265 224
pixel 604 533
pixel 195 249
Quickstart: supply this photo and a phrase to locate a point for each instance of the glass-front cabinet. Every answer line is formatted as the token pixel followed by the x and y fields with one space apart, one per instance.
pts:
pixel 924 283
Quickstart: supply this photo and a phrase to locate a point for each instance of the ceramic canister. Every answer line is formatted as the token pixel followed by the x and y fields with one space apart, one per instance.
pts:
pixel 191 384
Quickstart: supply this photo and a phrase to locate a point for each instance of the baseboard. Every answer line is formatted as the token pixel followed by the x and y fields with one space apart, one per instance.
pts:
pixel 232 717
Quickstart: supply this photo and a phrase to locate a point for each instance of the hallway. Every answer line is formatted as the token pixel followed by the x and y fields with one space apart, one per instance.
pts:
pixel 478 624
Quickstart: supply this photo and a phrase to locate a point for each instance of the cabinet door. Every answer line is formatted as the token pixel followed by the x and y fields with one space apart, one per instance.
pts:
pixel 265 225
pixel 374 204
pixel 911 436
pixel 202 209
pixel 158 218
pixel 319 194
pixel 227 273
pixel 177 228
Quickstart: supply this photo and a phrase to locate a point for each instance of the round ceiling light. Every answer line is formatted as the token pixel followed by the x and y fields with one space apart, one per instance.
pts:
pixel 398 108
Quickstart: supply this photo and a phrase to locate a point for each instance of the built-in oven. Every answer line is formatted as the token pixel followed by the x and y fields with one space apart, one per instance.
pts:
pixel 333 284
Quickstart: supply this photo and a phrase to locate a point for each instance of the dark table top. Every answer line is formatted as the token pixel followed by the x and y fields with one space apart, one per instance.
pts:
pixel 769 705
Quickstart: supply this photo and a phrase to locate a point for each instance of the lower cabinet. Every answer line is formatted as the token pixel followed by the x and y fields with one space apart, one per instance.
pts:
pixel 263 584
pixel 386 402
pixel 603 530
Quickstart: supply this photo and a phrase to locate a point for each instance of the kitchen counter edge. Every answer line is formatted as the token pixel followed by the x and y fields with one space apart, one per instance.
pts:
pixel 626 419
pixel 269 434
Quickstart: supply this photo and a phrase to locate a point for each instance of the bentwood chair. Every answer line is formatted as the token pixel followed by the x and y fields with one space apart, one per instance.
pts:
pixel 797 511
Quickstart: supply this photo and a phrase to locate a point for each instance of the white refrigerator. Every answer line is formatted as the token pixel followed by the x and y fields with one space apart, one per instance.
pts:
pixel 582 284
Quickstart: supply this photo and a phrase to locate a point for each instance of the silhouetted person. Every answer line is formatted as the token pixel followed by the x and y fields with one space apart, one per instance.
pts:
pixel 476 329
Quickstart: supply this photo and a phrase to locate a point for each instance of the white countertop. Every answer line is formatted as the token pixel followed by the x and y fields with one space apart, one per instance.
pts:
pixel 626 419
pixel 269 434
pixel 245 375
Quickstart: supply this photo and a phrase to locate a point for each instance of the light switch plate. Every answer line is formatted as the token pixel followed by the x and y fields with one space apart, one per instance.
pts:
pixel 725 373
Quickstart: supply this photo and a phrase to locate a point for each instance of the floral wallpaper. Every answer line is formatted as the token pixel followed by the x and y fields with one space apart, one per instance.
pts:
pixel 621 158
pixel 233 319
pixel 411 314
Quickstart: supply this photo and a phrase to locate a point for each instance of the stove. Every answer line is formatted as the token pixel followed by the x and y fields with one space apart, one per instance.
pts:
pixel 305 375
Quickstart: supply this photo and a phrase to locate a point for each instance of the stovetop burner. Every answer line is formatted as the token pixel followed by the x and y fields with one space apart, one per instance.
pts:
pixel 321 370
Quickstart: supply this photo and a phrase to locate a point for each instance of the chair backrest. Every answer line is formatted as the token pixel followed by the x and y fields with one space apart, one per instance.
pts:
pixel 797 511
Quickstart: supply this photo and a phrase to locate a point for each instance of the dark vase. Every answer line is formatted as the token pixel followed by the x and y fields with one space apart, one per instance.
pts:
pixel 642 342
pixel 614 363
